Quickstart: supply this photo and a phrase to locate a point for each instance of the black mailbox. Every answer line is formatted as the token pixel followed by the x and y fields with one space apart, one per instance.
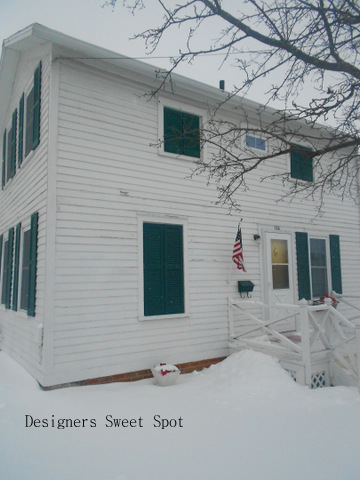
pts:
pixel 245 287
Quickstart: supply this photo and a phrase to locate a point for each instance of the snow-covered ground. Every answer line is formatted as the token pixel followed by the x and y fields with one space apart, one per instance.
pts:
pixel 242 419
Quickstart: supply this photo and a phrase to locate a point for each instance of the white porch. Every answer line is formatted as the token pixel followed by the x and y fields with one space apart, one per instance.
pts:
pixel 324 348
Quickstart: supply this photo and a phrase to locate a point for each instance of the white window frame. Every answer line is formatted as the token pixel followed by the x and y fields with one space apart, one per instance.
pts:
pixel 162 219
pixel 201 113
pixel 328 269
pixel 264 152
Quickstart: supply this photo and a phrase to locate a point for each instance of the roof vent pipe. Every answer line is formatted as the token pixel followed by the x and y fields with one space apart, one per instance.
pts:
pixel 222 85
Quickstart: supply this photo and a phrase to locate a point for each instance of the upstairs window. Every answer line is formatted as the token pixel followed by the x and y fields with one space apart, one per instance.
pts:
pixel 256 142
pixel 301 163
pixel 181 133
pixel 11 151
pixel 23 133
pixel 32 114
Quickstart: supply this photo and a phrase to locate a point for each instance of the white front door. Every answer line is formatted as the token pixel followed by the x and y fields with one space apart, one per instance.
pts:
pixel 279 278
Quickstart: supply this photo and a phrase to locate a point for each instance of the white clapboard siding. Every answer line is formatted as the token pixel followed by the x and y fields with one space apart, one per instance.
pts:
pixel 23 195
pixel 107 174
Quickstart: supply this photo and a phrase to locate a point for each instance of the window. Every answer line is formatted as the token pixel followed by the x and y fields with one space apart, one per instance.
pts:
pixel 301 163
pixel 24 291
pixel 280 264
pixel 16 267
pixel 256 142
pixel 318 265
pixel 181 133
pixel 11 152
pixel 7 270
pixel 32 114
pixel 11 269
pixel 29 267
pixel 319 269
pixel 163 269
pixel 24 130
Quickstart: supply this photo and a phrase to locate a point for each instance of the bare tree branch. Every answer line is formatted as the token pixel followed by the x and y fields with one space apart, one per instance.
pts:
pixel 313 42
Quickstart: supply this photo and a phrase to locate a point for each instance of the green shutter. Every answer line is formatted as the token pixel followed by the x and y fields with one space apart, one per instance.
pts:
pixel 4 160
pixel 29 122
pixel 33 264
pixel 172 131
pixel 21 131
pixel 12 146
pixel 154 282
pixel 301 163
pixel 191 131
pixel 174 269
pixel 16 267
pixel 1 250
pixel 9 269
pixel 2 262
pixel 163 269
pixel 36 107
pixel 303 267
pixel 335 263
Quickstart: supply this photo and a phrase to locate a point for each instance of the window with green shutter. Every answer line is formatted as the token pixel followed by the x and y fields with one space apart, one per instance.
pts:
pixel 23 133
pixel 163 258
pixel 181 132
pixel 8 270
pixel 301 163
pixel 313 265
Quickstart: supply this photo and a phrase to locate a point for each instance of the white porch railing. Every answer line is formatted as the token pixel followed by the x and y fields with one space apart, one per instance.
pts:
pixel 321 332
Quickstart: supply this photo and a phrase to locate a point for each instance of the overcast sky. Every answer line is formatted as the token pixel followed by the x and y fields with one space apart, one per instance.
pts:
pixel 108 28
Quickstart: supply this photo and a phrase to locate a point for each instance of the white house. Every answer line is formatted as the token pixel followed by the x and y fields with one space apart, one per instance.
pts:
pixel 112 257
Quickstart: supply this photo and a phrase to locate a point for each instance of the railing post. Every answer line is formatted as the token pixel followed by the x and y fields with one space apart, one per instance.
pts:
pixel 357 333
pixel 305 340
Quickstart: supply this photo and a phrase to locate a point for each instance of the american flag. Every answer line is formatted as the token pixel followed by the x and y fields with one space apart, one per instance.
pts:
pixel 237 257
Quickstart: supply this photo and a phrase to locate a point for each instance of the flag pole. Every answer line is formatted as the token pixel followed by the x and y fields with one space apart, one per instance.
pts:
pixel 232 263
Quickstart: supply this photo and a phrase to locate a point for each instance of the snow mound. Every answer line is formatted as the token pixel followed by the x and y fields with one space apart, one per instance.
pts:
pixel 248 373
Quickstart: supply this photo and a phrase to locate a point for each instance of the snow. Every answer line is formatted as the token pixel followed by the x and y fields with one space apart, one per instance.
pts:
pixel 244 418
